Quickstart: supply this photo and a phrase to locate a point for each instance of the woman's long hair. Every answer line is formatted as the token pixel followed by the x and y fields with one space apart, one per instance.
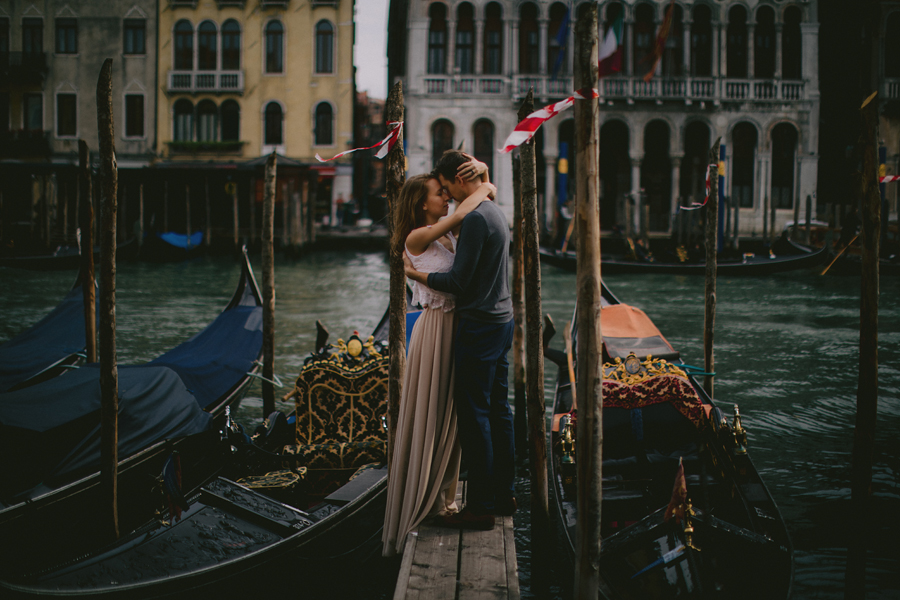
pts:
pixel 410 208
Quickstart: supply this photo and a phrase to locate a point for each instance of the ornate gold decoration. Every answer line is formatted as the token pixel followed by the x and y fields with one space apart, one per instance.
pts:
pixel 688 526
pixel 567 440
pixel 740 434
pixel 354 347
pixel 624 372
pixel 369 346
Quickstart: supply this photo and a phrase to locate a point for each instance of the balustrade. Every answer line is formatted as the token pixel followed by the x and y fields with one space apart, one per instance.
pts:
pixel 206 81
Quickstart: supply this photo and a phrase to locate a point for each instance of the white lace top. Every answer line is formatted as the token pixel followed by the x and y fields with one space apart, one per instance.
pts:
pixel 435 259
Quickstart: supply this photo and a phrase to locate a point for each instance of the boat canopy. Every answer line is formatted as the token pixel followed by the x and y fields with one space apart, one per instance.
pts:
pixel 628 329
pixel 50 340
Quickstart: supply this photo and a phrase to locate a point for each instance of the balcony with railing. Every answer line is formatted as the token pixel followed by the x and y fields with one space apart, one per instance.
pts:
pixel 213 82
pixel 465 85
pixel 28 68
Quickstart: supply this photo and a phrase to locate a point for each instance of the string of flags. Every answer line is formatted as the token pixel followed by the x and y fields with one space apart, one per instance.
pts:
pixel 528 126
pixel 384 146
pixel 888 178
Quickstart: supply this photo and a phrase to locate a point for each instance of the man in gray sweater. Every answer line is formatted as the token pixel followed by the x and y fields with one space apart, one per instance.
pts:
pixel 480 281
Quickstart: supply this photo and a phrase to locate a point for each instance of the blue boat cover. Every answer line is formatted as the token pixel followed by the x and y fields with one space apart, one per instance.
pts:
pixel 154 405
pixel 217 358
pixel 45 343
pixel 180 240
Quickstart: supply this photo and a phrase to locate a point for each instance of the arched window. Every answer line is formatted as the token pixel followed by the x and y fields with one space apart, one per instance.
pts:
pixel 441 139
pixel 437 38
pixel 231 45
pixel 891 45
pixel 493 39
pixel 694 163
pixel 324 47
pixel 206 46
pixel 324 127
pixel 231 121
pixel 791 45
pixel 206 121
pixel 615 172
pixel 529 39
pixel 483 146
pixel 556 40
pixel 656 174
pixel 184 121
pixel 465 39
pixel 744 149
pixel 701 42
pixel 275 48
pixel 764 44
pixel 737 42
pixel 644 37
pixel 184 45
pixel 673 54
pixel 274 124
pixel 784 147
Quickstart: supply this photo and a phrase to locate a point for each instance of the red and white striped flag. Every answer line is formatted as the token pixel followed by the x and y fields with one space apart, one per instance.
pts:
pixel 696 205
pixel 889 178
pixel 384 146
pixel 528 126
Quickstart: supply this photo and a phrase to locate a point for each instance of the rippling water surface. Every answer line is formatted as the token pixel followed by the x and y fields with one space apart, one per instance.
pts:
pixel 786 351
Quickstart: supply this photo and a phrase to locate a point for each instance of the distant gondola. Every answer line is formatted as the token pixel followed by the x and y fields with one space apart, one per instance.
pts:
pixel 49 432
pixel 48 348
pixel 260 518
pixel 63 258
pixel 171 247
pixel 792 256
pixel 731 540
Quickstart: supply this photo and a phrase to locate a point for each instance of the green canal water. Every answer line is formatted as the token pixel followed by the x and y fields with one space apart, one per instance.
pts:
pixel 786 353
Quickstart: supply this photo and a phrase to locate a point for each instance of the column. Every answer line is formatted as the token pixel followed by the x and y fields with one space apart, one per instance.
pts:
pixel 635 201
pixel 478 46
pixel 629 48
pixel 676 188
pixel 451 46
pixel 686 25
pixel 778 50
pixel 511 46
pixel 720 52
pixel 550 199
pixel 570 44
pixel 542 57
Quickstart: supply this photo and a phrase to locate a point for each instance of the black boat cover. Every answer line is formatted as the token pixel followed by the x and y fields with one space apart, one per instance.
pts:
pixel 154 405
pixel 214 360
pixel 50 340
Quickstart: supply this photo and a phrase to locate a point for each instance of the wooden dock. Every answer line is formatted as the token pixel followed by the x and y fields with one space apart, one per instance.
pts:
pixel 440 563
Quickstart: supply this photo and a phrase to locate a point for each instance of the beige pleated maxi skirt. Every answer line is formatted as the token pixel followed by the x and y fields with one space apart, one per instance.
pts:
pixel 425 467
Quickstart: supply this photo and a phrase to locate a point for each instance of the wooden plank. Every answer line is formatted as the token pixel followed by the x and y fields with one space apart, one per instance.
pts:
pixel 433 573
pixel 409 550
pixel 512 564
pixel 482 565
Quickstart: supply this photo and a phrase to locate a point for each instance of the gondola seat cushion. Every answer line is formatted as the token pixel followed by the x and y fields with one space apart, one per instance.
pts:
pixel 339 414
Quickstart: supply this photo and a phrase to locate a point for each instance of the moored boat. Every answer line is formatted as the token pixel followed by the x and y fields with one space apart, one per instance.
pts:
pixel 684 511
pixel 269 517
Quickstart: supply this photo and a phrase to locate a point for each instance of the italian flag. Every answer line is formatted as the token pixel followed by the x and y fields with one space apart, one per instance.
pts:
pixel 611 50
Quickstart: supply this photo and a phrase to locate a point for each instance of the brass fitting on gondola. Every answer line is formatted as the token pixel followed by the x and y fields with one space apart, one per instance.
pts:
pixel 740 434
pixel 567 441
pixel 688 526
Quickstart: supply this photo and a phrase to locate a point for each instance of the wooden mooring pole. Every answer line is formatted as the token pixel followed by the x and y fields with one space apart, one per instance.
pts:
pixel 712 232
pixel 589 385
pixel 395 177
pixel 268 291
pixel 867 386
pixel 109 375
pixel 86 220
pixel 518 298
pixel 534 356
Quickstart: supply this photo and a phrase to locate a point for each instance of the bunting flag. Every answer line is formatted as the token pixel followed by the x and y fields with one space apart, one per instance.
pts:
pixel 696 205
pixel 528 126
pixel 384 146
pixel 661 36
pixel 888 178
pixel 611 50
pixel 679 496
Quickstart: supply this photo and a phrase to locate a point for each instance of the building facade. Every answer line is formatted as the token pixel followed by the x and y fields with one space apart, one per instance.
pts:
pixel 51 52
pixel 745 71
pixel 241 79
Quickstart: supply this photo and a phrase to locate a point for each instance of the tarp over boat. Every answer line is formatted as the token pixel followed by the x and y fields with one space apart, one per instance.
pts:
pixel 50 340
pixel 628 329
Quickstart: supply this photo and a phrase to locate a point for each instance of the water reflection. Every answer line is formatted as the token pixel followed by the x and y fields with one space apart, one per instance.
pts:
pixel 786 352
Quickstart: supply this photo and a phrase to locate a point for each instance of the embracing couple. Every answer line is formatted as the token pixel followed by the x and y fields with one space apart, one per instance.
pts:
pixel 455 388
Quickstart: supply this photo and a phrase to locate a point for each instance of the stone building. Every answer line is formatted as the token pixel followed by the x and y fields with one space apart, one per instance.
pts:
pixel 745 71
pixel 51 52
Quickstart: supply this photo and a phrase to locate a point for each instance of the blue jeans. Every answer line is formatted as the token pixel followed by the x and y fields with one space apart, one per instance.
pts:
pixel 485 419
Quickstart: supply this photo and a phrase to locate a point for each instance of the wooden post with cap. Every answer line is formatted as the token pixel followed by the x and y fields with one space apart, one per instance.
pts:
pixel 268 291
pixel 712 230
pixel 86 218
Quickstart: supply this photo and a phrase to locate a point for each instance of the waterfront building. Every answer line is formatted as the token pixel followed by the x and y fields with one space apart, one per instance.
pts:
pixel 51 52
pixel 746 71
pixel 239 80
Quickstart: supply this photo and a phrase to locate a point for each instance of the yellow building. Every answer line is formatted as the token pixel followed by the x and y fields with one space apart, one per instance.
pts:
pixel 239 79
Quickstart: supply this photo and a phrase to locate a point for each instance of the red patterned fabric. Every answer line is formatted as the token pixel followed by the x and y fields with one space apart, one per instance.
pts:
pixel 655 390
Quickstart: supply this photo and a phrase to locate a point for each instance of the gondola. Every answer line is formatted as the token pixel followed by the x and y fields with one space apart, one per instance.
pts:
pixel 787 256
pixel 722 538
pixel 171 247
pixel 281 511
pixel 62 258
pixel 48 348
pixel 49 432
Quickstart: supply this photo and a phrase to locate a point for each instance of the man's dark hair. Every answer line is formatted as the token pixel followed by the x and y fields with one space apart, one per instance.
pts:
pixel 449 163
